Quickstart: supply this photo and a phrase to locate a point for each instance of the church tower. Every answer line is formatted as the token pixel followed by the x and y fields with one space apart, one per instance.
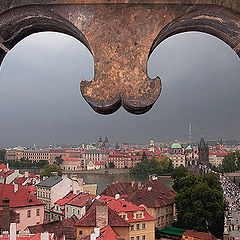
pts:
pixel 106 143
pixel 203 152
pixel 100 143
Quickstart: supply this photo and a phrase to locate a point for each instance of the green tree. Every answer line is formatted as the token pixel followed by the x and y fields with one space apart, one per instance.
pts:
pixel 231 163
pixel 58 161
pixel 111 165
pixel 144 157
pixel 2 154
pixel 48 169
pixel 200 204
pixel 154 166
pixel 176 175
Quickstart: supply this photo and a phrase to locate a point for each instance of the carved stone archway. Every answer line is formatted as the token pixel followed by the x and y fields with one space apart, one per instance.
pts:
pixel 121 34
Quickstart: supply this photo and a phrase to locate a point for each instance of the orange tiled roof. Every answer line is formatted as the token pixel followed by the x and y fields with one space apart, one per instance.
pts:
pixel 80 199
pixel 22 198
pixel 199 235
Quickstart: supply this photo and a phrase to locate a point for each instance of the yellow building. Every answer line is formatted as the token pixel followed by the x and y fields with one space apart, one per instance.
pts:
pixel 142 224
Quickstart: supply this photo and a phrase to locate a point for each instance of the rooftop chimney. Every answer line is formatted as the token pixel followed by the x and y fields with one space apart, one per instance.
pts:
pixel 26 175
pixel 88 204
pixel 15 188
pixel 97 231
pixel 13 231
pixel 6 214
pixel 45 236
pixel 149 188
pixel 101 216
pixel 117 196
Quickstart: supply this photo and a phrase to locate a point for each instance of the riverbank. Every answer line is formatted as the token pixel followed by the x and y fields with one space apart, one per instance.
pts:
pixel 99 171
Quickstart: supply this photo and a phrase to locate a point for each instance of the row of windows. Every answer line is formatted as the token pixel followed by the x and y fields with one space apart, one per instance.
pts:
pixel 68 209
pixel 168 209
pixel 28 214
pixel 43 194
pixel 137 227
pixel 139 238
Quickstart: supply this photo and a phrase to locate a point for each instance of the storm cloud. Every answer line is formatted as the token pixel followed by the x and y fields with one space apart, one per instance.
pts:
pixel 40 100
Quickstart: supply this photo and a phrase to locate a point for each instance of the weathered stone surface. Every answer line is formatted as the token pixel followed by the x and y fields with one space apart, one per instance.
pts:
pixel 121 35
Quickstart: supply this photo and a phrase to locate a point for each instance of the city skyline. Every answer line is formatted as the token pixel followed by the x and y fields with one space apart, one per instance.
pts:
pixel 40 100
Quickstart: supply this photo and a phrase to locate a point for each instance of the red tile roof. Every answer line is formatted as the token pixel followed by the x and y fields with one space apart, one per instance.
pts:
pixel 6 174
pixel 108 233
pixel 89 219
pixel 2 166
pixel 71 159
pixel 65 199
pixel 121 205
pixel 124 188
pixel 199 235
pixel 81 199
pixel 162 188
pixel 22 198
pixel 27 237
pixel 59 228
pixel 150 198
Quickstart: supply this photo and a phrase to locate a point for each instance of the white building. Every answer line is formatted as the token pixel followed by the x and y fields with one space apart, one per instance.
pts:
pixel 56 187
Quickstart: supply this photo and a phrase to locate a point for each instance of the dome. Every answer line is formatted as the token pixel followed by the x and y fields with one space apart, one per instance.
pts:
pixel 176 145
pixel 189 148
pixel 151 141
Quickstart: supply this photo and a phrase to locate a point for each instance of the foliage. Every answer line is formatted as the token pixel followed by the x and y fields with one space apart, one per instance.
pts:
pixel 231 163
pixel 25 163
pixel 58 161
pixel 144 157
pixel 48 169
pixel 111 165
pixel 176 175
pixel 154 166
pixel 2 154
pixel 200 204
pixel 157 233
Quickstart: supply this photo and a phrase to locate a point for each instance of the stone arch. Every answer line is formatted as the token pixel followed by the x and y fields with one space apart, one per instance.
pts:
pixel 18 23
pixel 221 22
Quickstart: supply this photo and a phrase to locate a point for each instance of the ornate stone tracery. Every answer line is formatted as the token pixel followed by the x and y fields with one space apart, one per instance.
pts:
pixel 121 35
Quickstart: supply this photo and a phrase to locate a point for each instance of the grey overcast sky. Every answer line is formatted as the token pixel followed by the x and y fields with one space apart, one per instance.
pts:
pixel 40 101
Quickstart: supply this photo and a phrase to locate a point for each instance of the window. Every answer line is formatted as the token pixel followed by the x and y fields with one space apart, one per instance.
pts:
pixel 132 227
pixel 138 238
pixel 18 218
pixel 29 213
pixel 132 238
pixel 38 212
pixel 138 226
pixel 143 237
pixel 80 232
pixel 143 226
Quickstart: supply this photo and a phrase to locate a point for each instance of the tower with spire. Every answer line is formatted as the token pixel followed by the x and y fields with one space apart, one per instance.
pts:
pixel 100 143
pixel 203 152
pixel 106 143
pixel 190 132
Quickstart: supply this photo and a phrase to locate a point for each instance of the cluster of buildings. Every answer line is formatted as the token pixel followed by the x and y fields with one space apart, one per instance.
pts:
pixel 66 208
pixel 103 155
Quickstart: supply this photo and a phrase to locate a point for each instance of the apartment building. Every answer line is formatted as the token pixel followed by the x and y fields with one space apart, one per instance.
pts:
pixel 54 188
pixel 29 209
